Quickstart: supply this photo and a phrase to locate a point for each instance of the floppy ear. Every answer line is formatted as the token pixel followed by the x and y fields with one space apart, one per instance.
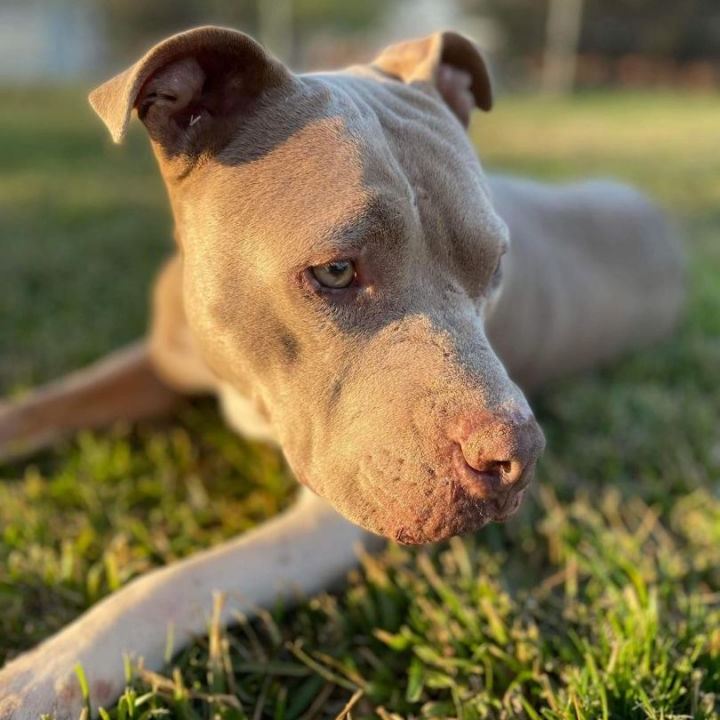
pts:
pixel 448 61
pixel 188 87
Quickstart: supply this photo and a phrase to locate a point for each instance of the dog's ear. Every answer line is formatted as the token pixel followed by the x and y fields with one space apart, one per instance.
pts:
pixel 448 61
pixel 190 87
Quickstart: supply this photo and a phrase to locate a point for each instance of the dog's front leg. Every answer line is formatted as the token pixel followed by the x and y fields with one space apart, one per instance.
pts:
pixel 121 386
pixel 302 550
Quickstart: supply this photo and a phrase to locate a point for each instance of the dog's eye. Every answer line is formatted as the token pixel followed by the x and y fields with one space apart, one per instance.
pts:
pixel 334 275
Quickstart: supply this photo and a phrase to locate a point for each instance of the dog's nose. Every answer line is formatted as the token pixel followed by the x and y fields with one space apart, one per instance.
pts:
pixel 500 448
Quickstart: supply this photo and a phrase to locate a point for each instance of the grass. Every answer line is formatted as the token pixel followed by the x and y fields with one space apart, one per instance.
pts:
pixel 601 599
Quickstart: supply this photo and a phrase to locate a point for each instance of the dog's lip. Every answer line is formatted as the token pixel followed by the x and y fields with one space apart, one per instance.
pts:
pixel 504 508
pixel 494 510
pixel 467 514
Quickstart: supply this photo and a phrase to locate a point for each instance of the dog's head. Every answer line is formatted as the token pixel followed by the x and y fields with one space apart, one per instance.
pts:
pixel 340 254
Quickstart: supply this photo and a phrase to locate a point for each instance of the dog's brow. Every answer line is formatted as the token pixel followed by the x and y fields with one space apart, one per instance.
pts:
pixel 378 222
pixel 501 232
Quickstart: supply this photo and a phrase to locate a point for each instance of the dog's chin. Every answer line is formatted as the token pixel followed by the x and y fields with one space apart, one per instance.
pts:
pixel 463 517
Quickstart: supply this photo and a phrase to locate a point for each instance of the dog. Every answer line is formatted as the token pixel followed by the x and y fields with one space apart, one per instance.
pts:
pixel 352 287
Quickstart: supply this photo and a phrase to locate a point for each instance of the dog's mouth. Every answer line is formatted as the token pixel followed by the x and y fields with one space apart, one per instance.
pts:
pixel 503 509
pixel 496 502
pixel 498 508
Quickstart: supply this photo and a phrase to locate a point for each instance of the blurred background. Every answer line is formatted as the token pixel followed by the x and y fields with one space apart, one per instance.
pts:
pixel 554 45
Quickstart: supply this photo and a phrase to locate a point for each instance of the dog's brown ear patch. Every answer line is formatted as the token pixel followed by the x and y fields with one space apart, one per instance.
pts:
pixel 188 83
pixel 447 60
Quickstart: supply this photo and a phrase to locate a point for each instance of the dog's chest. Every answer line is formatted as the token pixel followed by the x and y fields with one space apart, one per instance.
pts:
pixel 242 416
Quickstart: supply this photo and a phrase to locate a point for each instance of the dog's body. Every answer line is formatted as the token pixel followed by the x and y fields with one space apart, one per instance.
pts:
pixel 338 266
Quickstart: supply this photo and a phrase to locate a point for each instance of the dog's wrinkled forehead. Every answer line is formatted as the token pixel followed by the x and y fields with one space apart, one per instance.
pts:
pixel 296 195
pixel 339 149
pixel 341 185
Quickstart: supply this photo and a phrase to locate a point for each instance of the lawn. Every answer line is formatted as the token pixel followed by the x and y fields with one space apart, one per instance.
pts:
pixel 600 599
